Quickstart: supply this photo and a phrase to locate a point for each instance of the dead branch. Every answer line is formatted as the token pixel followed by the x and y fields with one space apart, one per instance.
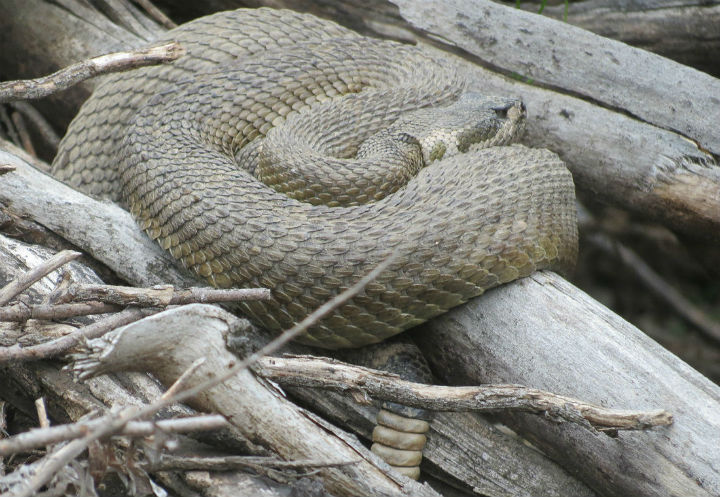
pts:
pixel 161 295
pixel 62 345
pixel 41 124
pixel 242 399
pixel 46 435
pixel 168 462
pixel 23 133
pixel 12 289
pixel 156 14
pixel 318 372
pixel 103 64
pixel 21 312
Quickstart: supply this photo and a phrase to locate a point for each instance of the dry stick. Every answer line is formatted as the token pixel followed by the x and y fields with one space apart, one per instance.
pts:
pixel 11 131
pixel 55 461
pixel 41 124
pixel 62 345
pixel 24 281
pixel 6 168
pixel 315 372
pixel 94 302
pixel 162 295
pixel 24 134
pixel 156 13
pixel 659 286
pixel 182 381
pixel 42 413
pixel 71 75
pixel 21 312
pixel 227 463
pixel 41 437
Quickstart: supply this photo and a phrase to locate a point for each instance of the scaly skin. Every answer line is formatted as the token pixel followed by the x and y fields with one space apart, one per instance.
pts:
pixel 164 141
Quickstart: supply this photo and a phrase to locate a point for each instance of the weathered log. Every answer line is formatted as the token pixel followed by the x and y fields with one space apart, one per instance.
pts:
pixel 544 332
pixel 586 142
pixel 167 344
pixel 685 32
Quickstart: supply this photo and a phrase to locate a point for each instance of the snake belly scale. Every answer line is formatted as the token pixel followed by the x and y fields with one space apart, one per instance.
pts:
pixel 166 142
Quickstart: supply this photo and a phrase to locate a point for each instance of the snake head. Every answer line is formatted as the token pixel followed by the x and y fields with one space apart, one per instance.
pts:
pixel 472 122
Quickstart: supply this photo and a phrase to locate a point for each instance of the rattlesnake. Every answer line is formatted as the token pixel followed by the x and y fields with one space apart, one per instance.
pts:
pixel 260 87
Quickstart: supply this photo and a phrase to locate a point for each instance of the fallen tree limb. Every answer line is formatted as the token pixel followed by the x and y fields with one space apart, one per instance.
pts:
pixel 46 46
pixel 685 31
pixel 544 332
pixel 73 74
pixel 98 230
pixel 51 435
pixel 160 295
pixel 16 286
pixel 246 402
pixel 317 372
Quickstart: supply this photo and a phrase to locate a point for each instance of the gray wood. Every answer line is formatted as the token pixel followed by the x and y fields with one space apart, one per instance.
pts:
pixel 97 227
pixel 618 159
pixel 685 31
pixel 463 447
pixel 38 37
pixel 570 59
pixel 169 343
pixel 545 333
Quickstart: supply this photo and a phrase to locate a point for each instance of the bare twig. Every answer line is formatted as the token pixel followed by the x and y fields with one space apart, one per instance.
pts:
pixel 42 413
pixel 24 134
pixel 162 295
pixel 11 131
pixel 6 168
pixel 227 463
pixel 41 437
pixel 659 286
pixel 156 13
pixel 306 371
pixel 41 124
pixel 182 381
pixel 71 75
pixel 21 283
pixel 59 458
pixel 62 345
pixel 21 312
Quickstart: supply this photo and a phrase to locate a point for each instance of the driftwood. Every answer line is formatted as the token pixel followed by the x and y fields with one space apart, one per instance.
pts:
pixel 683 31
pixel 633 171
pixel 259 412
pixel 455 434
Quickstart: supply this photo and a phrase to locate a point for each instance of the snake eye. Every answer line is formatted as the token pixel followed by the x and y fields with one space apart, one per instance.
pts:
pixel 511 110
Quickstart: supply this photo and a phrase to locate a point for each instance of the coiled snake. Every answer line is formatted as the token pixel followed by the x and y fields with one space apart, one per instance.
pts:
pixel 181 146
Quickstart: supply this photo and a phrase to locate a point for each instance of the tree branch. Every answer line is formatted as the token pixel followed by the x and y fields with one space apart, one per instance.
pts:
pixel 103 64
pixel 317 372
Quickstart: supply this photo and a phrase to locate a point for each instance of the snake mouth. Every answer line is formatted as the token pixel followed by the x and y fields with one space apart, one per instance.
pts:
pixel 503 127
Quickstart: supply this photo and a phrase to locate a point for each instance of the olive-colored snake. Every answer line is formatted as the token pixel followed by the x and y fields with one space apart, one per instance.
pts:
pixel 166 141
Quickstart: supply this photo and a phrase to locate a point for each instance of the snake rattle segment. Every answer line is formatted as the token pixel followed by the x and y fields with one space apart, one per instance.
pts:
pixel 287 152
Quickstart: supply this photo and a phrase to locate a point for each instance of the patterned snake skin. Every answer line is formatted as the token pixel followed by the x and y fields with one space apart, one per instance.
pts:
pixel 181 146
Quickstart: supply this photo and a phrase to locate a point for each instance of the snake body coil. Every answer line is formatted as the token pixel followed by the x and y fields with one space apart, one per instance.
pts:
pixel 167 141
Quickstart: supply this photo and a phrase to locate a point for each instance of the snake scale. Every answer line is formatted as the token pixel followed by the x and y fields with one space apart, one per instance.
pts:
pixel 267 94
